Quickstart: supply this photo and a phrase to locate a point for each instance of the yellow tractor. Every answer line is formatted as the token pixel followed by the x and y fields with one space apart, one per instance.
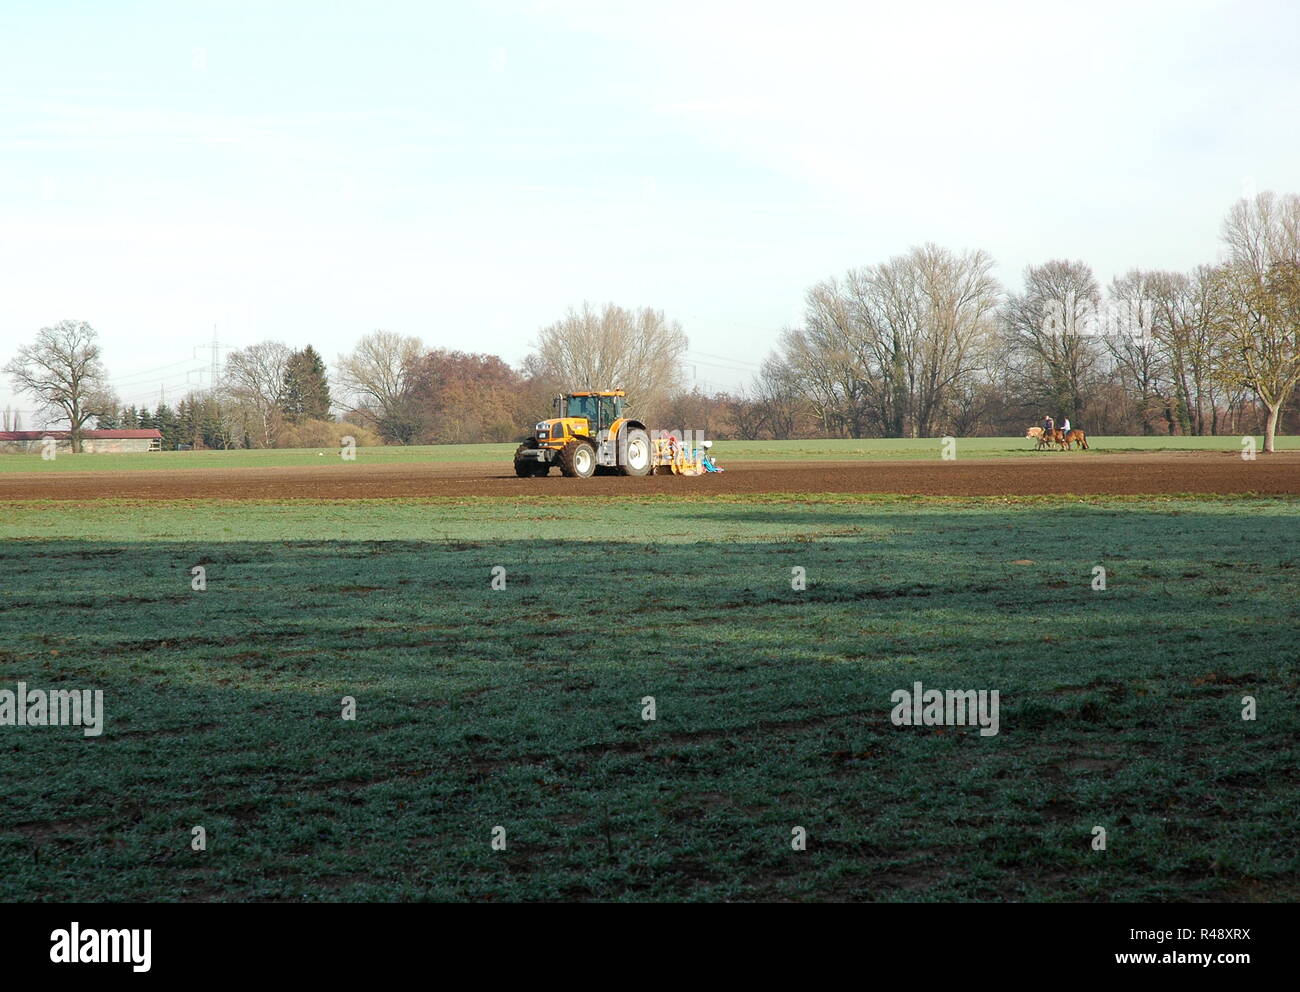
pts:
pixel 588 433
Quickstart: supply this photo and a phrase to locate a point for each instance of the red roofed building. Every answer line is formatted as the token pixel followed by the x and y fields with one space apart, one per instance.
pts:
pixel 92 442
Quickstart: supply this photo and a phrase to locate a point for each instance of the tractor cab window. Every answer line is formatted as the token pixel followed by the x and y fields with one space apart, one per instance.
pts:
pixel 582 406
pixel 610 409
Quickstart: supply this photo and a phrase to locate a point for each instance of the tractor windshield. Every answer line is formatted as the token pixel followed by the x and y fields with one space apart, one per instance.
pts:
pixel 583 406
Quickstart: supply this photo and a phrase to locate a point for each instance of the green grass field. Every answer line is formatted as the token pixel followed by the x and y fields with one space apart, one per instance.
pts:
pixel 874 449
pixel 522 707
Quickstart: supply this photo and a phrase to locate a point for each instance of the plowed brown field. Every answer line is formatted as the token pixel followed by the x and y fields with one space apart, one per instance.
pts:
pixel 1050 473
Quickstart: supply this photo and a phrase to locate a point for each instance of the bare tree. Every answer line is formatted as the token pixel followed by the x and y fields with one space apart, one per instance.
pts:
pixel 1129 340
pixel 63 371
pixel 886 348
pixel 777 403
pixel 638 350
pixel 380 377
pixel 746 420
pixel 957 298
pixel 1186 313
pixel 1261 344
pixel 1048 328
pixel 255 377
pixel 228 420
pixel 825 361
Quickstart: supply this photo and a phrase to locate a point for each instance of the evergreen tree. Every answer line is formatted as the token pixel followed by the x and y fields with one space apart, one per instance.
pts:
pixel 166 422
pixel 209 425
pixel 185 422
pixel 306 387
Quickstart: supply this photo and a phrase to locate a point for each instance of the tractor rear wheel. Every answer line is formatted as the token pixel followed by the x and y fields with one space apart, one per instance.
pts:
pixel 578 460
pixel 636 453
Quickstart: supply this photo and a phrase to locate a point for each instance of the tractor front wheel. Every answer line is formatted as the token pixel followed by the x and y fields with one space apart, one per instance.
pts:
pixel 578 460
pixel 527 467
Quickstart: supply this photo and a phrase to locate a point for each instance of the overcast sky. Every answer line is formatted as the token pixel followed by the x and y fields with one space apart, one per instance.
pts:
pixel 465 171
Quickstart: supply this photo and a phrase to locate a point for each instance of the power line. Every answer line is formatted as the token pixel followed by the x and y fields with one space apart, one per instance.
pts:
pixel 723 358
pixel 135 382
pixel 725 368
pixel 144 399
pixel 144 392
pixel 145 373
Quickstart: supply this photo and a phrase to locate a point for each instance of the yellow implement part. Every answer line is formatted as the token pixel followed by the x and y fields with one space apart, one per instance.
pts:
pixel 671 458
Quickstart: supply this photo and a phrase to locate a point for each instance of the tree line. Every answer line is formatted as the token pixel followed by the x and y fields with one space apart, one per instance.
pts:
pixel 923 344
pixel 929 343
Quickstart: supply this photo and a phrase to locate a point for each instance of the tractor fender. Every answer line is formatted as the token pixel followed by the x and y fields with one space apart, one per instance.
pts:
pixel 618 425
pixel 618 430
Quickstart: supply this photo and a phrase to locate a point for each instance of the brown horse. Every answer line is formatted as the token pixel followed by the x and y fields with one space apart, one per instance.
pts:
pixel 1075 437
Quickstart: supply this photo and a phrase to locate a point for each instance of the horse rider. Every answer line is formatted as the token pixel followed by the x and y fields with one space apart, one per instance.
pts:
pixel 1065 426
pixel 1047 427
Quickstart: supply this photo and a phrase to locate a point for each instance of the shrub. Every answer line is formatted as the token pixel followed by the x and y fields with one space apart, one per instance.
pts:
pixel 325 434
